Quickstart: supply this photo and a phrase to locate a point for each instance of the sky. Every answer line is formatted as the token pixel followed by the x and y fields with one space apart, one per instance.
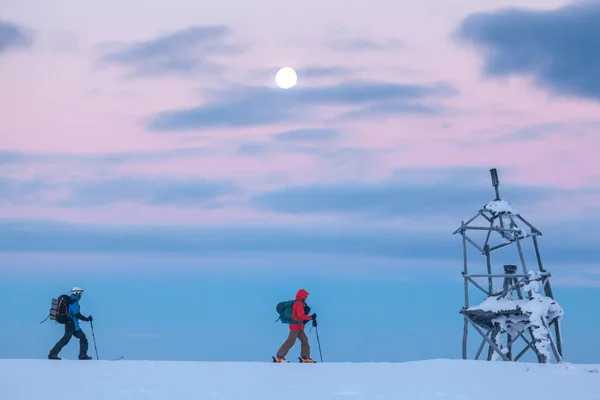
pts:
pixel 147 156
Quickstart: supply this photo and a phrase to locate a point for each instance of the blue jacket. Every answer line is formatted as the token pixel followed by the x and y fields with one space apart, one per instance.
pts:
pixel 74 312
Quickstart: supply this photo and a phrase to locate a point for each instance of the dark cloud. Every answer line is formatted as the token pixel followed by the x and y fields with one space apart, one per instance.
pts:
pixel 192 192
pixel 184 52
pixel 158 192
pixel 57 237
pixel 365 92
pixel 252 149
pixel 307 72
pixel 530 132
pixel 357 44
pixel 19 192
pixel 307 135
pixel 323 72
pixel 251 106
pixel 262 110
pixel 391 109
pixel 410 193
pixel 559 48
pixel 510 133
pixel 13 37
pixel 322 150
pixel 348 240
pixel 325 152
pixel 14 157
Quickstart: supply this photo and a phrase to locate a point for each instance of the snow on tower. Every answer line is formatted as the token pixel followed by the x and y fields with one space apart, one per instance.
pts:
pixel 522 306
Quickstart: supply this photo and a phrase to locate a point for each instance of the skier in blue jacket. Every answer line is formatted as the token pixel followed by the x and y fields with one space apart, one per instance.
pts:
pixel 72 328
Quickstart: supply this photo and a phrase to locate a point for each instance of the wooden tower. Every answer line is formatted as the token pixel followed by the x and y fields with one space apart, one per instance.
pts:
pixel 517 304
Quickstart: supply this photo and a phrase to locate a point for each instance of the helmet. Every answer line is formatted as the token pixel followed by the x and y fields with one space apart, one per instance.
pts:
pixel 77 291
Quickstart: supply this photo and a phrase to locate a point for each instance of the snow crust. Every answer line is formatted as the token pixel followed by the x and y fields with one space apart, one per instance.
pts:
pixel 501 206
pixel 537 311
pixel 423 380
pixel 507 213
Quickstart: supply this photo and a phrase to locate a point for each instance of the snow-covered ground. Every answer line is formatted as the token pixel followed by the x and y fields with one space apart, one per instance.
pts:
pixel 435 379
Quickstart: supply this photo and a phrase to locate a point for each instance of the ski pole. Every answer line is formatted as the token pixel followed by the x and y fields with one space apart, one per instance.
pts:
pixel 319 343
pixel 94 337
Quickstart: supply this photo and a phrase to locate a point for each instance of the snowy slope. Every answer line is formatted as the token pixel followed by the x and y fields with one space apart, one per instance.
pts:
pixel 435 379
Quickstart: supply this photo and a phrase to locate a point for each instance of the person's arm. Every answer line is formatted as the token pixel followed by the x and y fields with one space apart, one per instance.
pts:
pixel 77 313
pixel 299 308
pixel 81 317
pixel 306 311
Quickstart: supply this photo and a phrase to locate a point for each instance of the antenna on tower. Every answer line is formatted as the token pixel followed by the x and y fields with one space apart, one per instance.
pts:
pixel 495 182
pixel 507 312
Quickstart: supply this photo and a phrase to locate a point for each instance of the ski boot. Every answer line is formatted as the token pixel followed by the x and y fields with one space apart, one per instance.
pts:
pixel 306 360
pixel 53 357
pixel 84 357
pixel 279 359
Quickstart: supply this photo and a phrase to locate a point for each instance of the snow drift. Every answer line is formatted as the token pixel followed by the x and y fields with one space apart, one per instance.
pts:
pixel 423 380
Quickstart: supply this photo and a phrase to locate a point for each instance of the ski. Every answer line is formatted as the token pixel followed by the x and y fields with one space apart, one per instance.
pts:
pixel 279 362
pixel 114 359
pixel 304 362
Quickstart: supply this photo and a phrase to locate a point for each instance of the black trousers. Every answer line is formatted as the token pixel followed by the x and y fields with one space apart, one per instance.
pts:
pixel 69 332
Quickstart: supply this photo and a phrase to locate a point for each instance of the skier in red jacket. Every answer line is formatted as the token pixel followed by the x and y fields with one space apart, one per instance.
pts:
pixel 297 330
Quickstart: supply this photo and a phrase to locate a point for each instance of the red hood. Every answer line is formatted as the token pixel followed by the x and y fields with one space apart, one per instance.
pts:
pixel 301 295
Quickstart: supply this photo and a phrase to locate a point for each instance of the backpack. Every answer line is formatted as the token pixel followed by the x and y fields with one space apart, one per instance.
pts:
pixel 284 309
pixel 59 311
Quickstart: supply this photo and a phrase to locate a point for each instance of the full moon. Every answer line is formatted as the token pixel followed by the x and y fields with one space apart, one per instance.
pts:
pixel 286 78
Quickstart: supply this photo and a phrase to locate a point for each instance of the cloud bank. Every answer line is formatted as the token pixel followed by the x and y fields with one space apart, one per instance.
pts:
pixel 557 48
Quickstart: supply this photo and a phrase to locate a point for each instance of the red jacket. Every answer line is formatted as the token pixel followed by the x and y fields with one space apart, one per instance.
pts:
pixel 298 311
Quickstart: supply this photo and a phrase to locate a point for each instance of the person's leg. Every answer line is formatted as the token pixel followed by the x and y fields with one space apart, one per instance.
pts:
pixel 287 345
pixel 63 341
pixel 83 344
pixel 305 346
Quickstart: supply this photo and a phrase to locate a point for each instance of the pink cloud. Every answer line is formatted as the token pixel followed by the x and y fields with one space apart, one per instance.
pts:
pixel 60 103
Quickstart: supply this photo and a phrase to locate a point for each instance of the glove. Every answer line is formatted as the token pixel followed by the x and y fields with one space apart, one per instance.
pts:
pixel 90 318
pixel 314 323
pixel 314 316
